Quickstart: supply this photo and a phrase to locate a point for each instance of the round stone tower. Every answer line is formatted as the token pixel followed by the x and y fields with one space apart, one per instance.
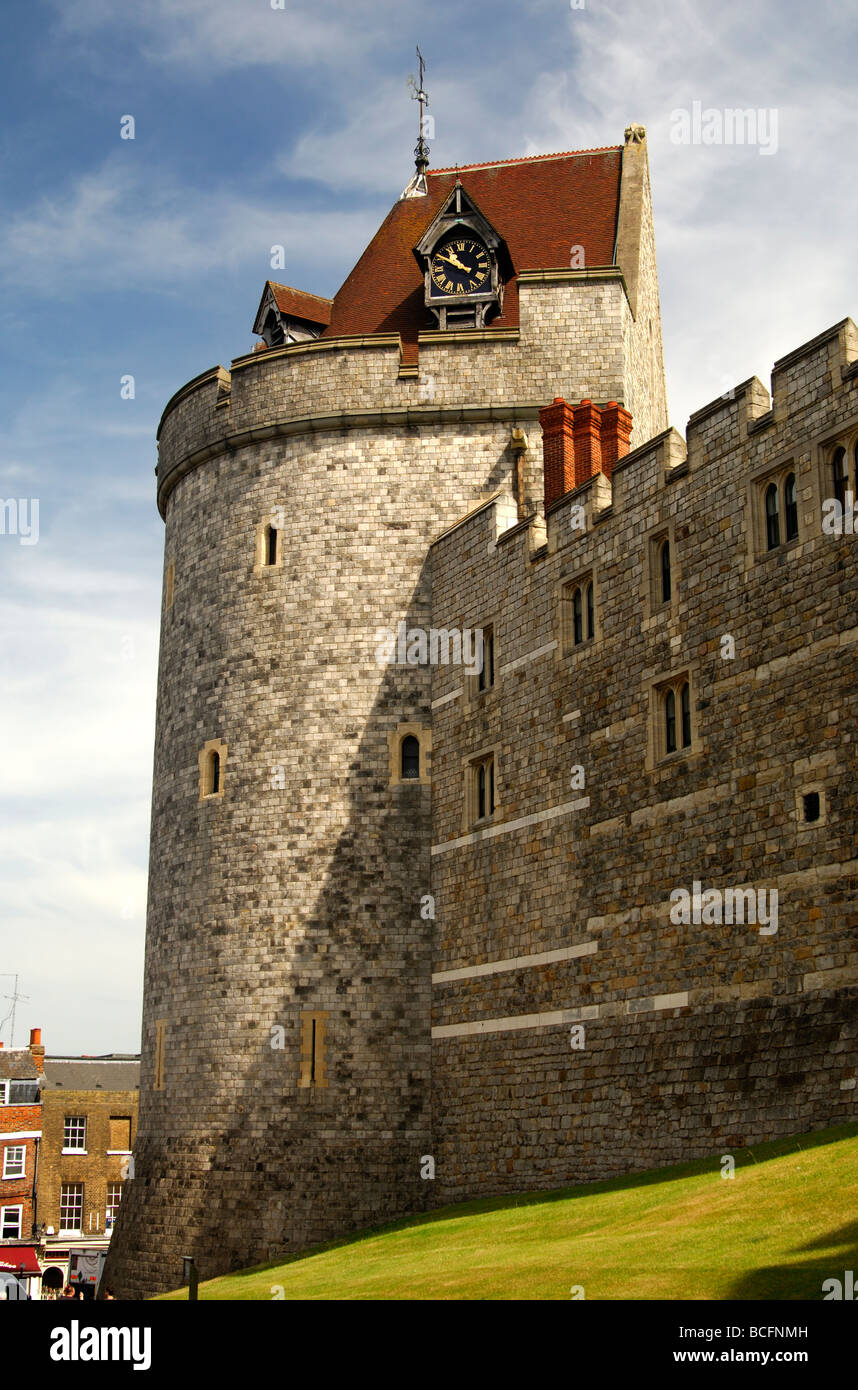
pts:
pixel 285 1091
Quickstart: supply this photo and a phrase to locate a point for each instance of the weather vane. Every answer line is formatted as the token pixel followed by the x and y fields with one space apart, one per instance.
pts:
pixel 421 149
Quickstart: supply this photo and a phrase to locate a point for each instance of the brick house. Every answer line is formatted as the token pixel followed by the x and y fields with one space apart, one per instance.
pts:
pixel 21 1082
pixel 89 1120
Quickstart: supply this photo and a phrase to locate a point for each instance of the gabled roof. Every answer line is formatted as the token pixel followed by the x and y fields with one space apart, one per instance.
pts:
pixel 542 206
pixel 295 304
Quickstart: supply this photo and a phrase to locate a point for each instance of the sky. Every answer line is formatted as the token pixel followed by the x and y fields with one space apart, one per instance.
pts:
pixel 260 123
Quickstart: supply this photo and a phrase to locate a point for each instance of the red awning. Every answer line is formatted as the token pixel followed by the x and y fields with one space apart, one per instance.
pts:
pixel 16 1259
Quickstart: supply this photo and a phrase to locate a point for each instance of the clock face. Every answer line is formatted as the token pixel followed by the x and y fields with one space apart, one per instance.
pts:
pixel 459 266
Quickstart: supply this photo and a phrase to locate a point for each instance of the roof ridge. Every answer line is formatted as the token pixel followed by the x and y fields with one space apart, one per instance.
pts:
pixel 307 293
pixel 523 159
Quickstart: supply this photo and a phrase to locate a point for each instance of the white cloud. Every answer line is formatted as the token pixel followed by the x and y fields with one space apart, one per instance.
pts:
pixel 209 36
pixel 116 228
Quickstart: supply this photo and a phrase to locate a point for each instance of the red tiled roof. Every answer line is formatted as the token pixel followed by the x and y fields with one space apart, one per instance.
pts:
pixel 541 205
pixel 297 304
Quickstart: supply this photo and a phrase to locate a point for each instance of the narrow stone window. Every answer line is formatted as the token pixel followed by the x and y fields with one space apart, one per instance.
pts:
pixel 169 585
pixel 670 721
pixel 671 729
pixel 481 793
pixel 773 529
pixel 790 508
pixel 810 802
pixel 685 706
pixel 160 1043
pixel 588 591
pixel 271 545
pixel 841 474
pixel 313 1064
pixel 410 758
pixel 486 674
pixel 212 761
pixel 577 618
pixel 664 557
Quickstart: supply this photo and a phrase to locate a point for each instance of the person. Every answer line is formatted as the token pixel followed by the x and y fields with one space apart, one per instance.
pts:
pixel 69 1291
pixel 108 1293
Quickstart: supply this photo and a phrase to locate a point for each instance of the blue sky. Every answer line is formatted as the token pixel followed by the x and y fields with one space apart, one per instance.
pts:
pixel 257 126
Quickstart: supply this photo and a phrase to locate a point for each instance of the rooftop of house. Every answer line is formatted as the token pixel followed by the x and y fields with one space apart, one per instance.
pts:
pixel 114 1071
pixel 16 1064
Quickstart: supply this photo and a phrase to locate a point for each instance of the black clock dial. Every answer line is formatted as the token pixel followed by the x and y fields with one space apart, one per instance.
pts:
pixel 460 265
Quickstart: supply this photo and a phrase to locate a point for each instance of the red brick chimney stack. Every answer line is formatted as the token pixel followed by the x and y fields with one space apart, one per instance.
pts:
pixel 558 448
pixel 616 433
pixel 580 441
pixel 37 1052
pixel 587 431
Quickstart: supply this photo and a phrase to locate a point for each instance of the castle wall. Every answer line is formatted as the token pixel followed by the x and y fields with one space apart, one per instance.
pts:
pixel 695 1036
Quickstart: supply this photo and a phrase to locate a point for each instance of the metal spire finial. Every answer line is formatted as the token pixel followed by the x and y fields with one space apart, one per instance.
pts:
pixel 421 149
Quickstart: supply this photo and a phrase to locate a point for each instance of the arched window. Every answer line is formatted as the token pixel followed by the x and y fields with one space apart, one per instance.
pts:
pixel 589 592
pixel 577 618
pixel 685 705
pixel 271 545
pixel 410 757
pixel 665 571
pixel 670 722
pixel 773 528
pixel 214 772
pixel 790 507
pixel 841 474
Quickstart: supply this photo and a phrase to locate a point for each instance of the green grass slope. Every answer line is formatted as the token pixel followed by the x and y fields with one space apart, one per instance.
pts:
pixel 786 1221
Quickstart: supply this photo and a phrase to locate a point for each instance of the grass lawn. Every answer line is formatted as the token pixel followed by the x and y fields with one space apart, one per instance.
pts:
pixel 786 1221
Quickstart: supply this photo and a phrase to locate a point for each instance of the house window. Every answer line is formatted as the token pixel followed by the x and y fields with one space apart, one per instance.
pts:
pixel 410 757
pixel 4 1092
pixel 790 507
pixel 71 1208
pixel 840 471
pixel 114 1197
pixel 14 1161
pixel 74 1134
pixel 773 529
pixel 119 1134
pixel 313 1046
pixel 486 674
pixel 810 803
pixel 578 613
pixel 11 1219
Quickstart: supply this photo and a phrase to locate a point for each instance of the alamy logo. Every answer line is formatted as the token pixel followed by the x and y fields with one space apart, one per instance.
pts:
pixel 714 907
pixel 840 1288
pixel 439 646
pixel 730 126
pixel 76 1343
pixel 838 518
pixel 13 519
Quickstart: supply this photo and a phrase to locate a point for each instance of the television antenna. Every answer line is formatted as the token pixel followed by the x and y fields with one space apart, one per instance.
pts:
pixel 15 997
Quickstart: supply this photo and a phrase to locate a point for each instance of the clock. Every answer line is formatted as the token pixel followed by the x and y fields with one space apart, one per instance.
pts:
pixel 460 265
